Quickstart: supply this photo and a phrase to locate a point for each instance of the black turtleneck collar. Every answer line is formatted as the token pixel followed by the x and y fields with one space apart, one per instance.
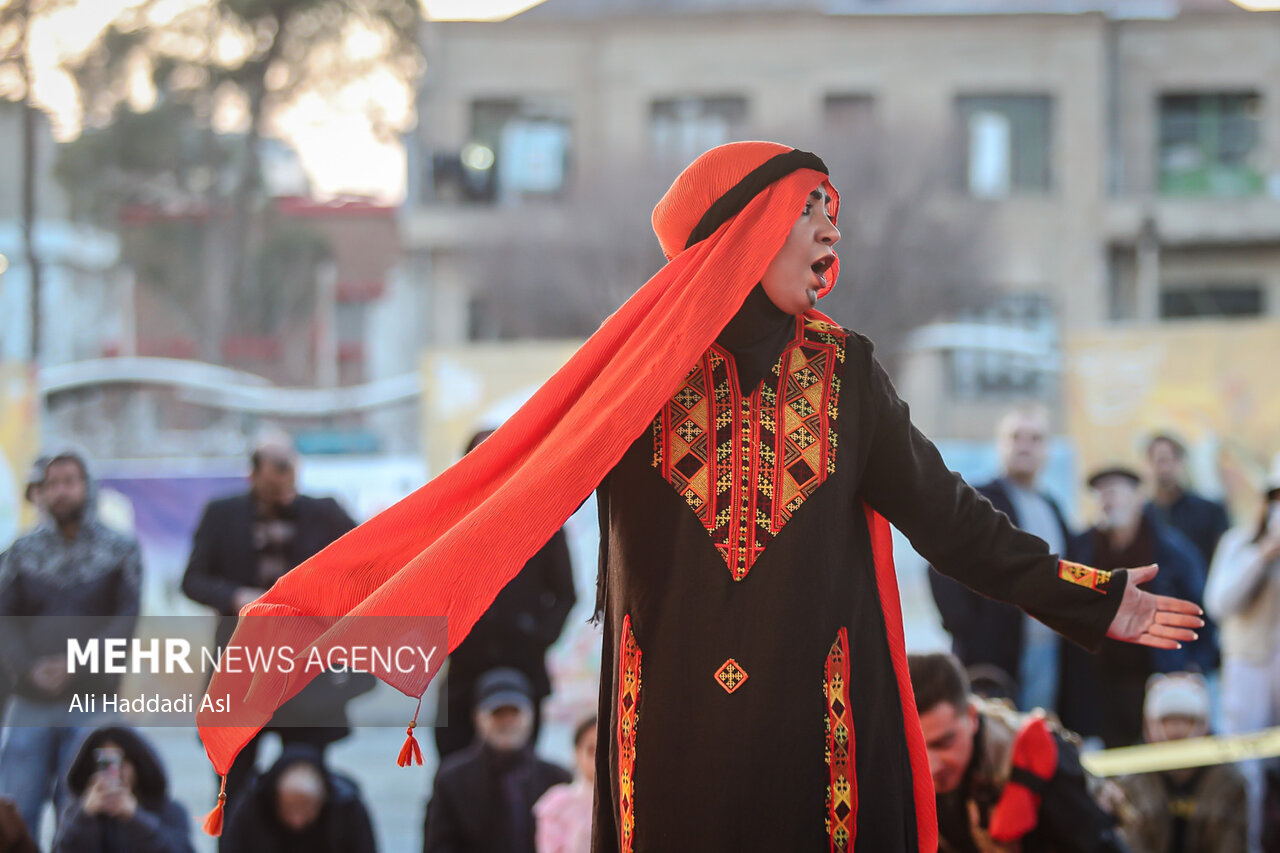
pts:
pixel 755 337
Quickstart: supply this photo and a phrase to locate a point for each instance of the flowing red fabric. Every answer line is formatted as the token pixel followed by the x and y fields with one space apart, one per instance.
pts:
pixel 450 547
pixel 891 605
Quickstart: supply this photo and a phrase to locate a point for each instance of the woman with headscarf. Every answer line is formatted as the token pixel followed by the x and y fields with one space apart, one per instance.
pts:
pixel 747 450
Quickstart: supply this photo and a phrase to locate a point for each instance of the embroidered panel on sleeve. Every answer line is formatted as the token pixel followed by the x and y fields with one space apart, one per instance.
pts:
pixel 745 465
pixel 842 787
pixel 628 717
pixel 1085 576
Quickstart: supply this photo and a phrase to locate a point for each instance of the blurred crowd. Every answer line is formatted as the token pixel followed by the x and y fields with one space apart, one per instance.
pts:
pixel 1006 716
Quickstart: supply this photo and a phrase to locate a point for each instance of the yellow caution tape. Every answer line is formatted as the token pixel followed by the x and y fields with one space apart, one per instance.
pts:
pixel 1183 754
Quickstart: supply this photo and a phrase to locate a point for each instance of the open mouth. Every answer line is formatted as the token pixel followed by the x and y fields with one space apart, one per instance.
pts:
pixel 823 264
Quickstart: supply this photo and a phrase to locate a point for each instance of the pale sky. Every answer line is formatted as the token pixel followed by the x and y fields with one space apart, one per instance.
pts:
pixel 341 155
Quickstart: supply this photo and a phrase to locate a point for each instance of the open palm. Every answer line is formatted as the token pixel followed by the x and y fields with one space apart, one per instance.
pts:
pixel 1159 621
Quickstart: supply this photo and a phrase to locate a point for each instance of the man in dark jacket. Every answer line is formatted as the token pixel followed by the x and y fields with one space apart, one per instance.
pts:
pixel 989 633
pixel 122 802
pixel 71 577
pixel 1003 780
pixel 242 545
pixel 300 805
pixel 522 623
pixel 1129 535
pixel 483 797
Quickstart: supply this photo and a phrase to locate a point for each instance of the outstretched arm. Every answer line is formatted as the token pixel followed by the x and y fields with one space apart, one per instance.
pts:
pixel 964 537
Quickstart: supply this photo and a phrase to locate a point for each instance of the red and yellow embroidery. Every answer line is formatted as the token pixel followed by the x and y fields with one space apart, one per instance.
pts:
pixel 731 675
pixel 744 465
pixel 628 717
pixel 842 787
pixel 1085 576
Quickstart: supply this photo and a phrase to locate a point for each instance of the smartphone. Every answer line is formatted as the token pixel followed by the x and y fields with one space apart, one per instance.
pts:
pixel 108 760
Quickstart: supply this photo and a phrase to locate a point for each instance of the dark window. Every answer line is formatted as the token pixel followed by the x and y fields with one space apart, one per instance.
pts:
pixel 1232 300
pixel 848 118
pixel 682 128
pixel 516 148
pixel 1006 144
pixel 1007 349
pixel 1208 143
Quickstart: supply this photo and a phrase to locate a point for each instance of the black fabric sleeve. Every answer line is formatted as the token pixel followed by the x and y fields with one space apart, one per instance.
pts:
pixel 201 582
pixel 959 532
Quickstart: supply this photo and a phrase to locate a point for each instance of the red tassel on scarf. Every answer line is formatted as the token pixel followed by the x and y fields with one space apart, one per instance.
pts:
pixel 1035 758
pixel 411 753
pixel 213 820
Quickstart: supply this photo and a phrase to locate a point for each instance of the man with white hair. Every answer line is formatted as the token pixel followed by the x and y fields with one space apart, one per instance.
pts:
pixel 1193 810
pixel 986 632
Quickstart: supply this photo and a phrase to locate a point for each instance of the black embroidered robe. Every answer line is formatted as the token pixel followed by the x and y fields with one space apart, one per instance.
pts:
pixel 753 690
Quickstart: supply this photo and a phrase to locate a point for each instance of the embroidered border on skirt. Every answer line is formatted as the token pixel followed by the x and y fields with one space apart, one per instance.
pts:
pixel 842 787
pixel 628 717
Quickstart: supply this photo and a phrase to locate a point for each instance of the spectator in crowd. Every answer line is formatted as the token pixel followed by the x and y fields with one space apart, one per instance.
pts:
pixel 1243 594
pixel 483 797
pixel 516 631
pixel 32 494
pixel 299 804
pixel 14 837
pixel 71 577
pixel 1184 811
pixel 122 800
pixel 1128 535
pixel 1199 519
pixel 564 812
pixel 242 545
pixel 1004 781
pixel 985 632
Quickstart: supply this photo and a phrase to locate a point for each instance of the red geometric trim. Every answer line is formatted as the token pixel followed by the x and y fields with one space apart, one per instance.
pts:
pixel 842 786
pixel 628 717
pixel 745 465
pixel 891 606
pixel 1085 576
pixel 731 675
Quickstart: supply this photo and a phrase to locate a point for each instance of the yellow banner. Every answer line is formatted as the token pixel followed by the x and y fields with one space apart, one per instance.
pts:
pixel 19 440
pixel 467 389
pixel 1211 383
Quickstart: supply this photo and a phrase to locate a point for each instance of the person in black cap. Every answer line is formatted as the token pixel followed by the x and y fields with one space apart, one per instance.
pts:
pixel 482 800
pixel 1127 534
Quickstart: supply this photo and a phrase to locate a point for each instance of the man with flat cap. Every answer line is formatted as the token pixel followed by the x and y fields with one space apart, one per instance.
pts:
pixel 1127 535
pixel 482 800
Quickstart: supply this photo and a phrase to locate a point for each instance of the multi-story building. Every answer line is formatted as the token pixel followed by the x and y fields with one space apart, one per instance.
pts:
pixel 1104 161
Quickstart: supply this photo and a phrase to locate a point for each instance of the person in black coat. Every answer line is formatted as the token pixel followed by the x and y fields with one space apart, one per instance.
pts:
pixel 1128 533
pixel 522 623
pixel 986 633
pixel 122 802
pixel 242 545
pixel 482 800
pixel 300 806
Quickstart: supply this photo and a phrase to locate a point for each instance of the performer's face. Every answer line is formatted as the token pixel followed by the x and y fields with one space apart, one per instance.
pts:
pixel 796 273
pixel 948 737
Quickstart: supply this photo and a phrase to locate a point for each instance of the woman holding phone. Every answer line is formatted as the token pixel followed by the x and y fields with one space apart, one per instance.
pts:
pixel 1243 595
pixel 122 800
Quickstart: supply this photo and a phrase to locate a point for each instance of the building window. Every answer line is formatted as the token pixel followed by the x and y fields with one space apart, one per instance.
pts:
pixel 1007 349
pixel 1005 144
pixel 517 148
pixel 1227 300
pixel 848 118
pixel 1208 143
pixel 682 128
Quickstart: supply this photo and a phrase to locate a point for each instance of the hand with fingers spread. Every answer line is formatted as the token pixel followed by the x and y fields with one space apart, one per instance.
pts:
pixel 1159 621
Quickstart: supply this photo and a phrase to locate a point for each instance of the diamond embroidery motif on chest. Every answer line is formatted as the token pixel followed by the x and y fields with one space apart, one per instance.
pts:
pixel 745 465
